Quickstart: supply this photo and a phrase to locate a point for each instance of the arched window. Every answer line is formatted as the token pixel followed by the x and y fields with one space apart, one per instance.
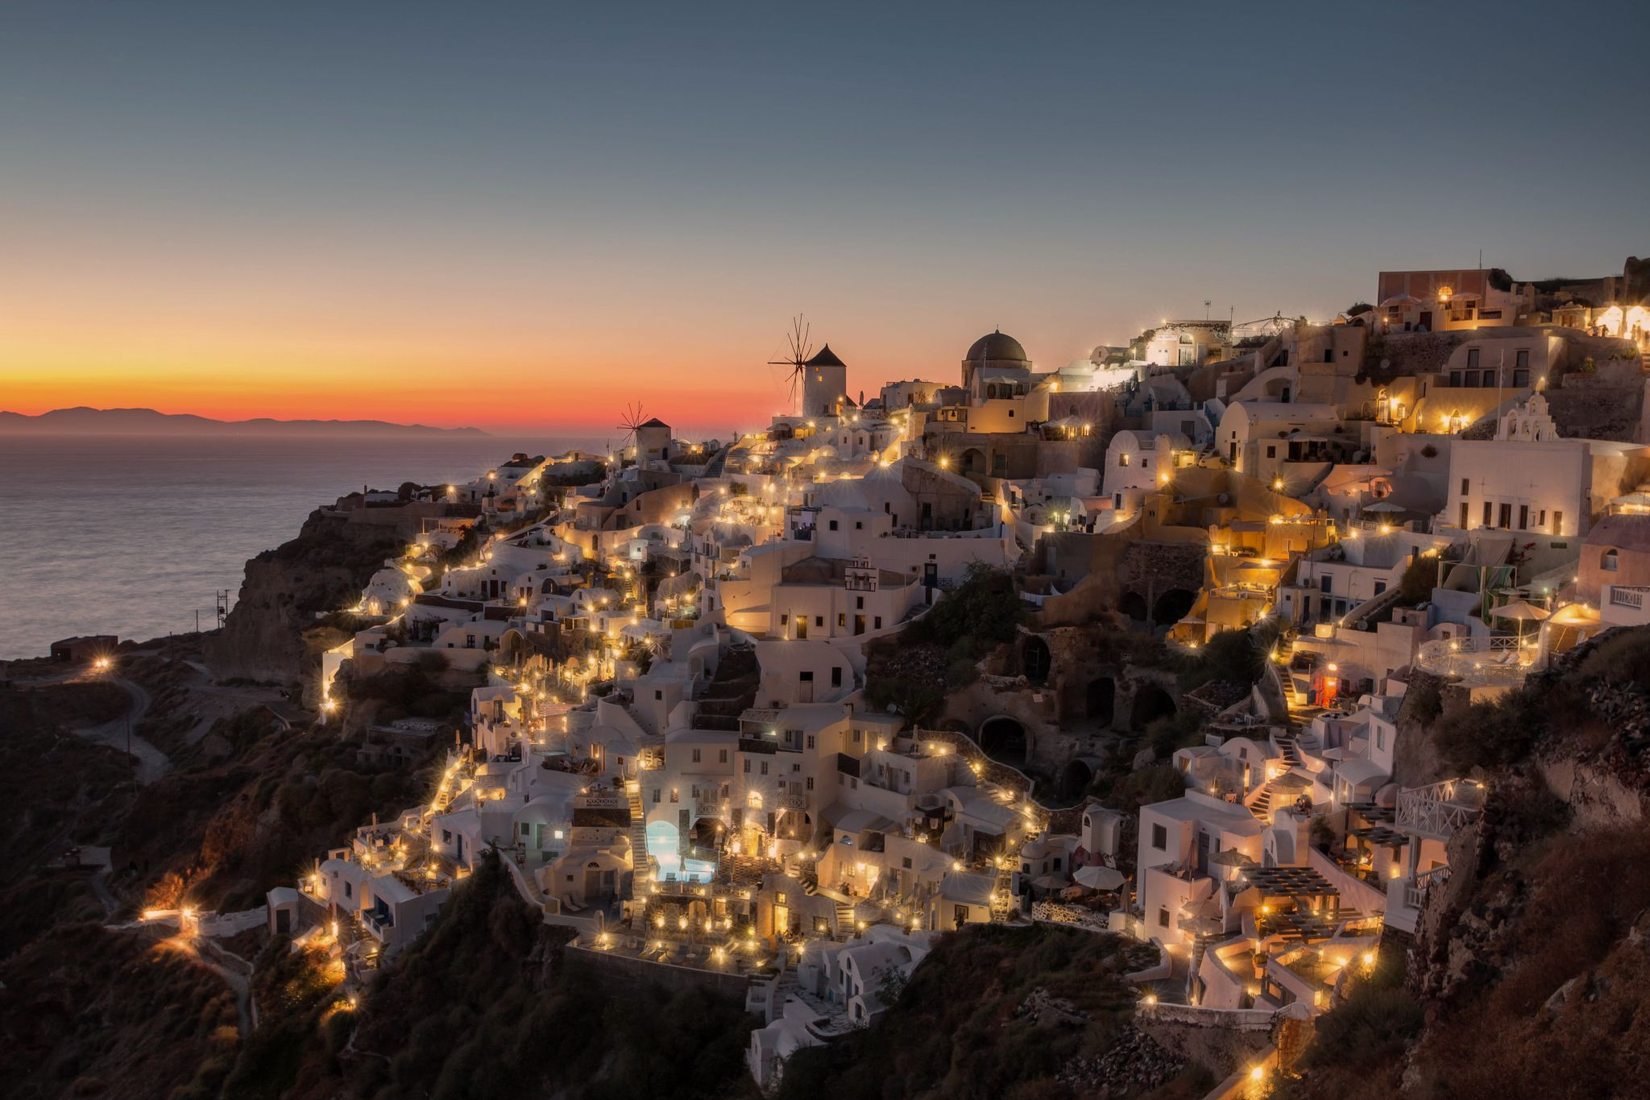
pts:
pixel 1610 562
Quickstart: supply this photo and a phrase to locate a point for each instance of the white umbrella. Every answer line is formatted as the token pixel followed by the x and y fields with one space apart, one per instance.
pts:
pixel 1096 877
pixel 1522 610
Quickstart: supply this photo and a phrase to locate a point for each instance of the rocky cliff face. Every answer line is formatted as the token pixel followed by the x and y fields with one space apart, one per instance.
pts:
pixel 323 569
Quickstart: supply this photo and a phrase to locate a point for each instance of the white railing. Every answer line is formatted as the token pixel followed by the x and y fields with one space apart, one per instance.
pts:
pixel 1621 596
pixel 1440 809
pixel 1415 891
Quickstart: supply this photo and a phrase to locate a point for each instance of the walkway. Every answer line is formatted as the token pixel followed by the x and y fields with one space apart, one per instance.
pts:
pixel 117 734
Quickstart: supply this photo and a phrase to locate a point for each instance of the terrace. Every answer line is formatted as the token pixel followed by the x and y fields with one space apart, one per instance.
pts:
pixel 1496 660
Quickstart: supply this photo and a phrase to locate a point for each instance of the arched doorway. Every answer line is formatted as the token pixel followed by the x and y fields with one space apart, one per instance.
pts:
pixel 973 462
pixel 1133 604
pixel 1150 703
pixel 1100 699
pixel 1073 780
pixel 1004 740
pixel 1036 660
pixel 1172 606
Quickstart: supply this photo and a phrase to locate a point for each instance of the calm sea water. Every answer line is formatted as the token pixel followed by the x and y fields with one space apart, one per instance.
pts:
pixel 132 536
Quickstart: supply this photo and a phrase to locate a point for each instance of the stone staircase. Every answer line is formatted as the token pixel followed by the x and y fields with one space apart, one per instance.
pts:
pixel 1194 984
pixel 731 692
pixel 638 833
pixel 845 918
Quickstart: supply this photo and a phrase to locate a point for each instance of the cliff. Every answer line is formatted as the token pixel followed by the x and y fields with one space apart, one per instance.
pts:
pixel 1527 971
pixel 323 569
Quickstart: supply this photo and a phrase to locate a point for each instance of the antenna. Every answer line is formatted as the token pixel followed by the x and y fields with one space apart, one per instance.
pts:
pixel 223 607
pixel 801 348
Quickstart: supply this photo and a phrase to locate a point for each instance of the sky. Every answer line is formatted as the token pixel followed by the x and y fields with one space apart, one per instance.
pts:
pixel 529 215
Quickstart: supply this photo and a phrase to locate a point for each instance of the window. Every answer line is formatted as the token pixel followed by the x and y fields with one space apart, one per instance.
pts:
pixel 807 676
pixel 1505 516
pixel 819 620
pixel 1160 838
pixel 1466 486
pixel 810 783
pixel 859 525
pixel 906 863
pixel 658 696
pixel 764 767
pixel 1489 510
pixel 1523 360
pixel 747 765
pixel 1463 523
pixel 832 525
pixel 878 625
pixel 1523 517
pixel 784 618
pixel 859 603
pixel 1271 451
pixel 1470 378
pixel 656 794
pixel 696 756
pixel 1558 523
pixel 721 756
pixel 841 618
pixel 836 677
pixel 676 794
pixel 1380 738
pixel 1162 916
pixel 1610 562
pixel 1123 458
pixel 810 740
pixel 1380 586
pixel 1472 358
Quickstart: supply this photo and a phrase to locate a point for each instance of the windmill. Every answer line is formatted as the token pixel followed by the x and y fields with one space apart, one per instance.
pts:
pixel 631 419
pixel 800 348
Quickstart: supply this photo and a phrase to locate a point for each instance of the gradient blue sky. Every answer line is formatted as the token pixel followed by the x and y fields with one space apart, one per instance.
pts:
pixel 369 209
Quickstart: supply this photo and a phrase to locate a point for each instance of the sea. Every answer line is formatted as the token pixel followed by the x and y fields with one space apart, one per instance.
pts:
pixel 136 535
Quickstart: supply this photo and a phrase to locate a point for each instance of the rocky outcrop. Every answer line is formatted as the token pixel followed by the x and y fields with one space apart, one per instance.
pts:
pixel 1135 1063
pixel 323 569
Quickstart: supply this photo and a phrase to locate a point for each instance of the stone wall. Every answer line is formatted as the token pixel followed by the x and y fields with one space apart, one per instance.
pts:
pixel 639 974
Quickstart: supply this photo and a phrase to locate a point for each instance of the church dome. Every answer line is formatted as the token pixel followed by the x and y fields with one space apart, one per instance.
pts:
pixel 996 347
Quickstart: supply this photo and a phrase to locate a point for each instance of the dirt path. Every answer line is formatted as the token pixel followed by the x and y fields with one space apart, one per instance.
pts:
pixel 151 762
pixel 236 981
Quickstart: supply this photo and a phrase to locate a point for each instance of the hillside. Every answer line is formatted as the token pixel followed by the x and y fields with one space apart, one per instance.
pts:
pixel 81 420
pixel 486 1005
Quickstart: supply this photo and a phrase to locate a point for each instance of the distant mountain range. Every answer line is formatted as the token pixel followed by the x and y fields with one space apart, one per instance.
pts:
pixel 86 421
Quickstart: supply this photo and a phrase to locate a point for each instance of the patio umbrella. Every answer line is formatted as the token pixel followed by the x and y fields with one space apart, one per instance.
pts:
pixel 1522 610
pixel 1384 506
pixel 1230 857
pixel 1096 877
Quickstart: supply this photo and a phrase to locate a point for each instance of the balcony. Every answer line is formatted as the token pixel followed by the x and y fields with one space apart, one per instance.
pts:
pixel 1633 598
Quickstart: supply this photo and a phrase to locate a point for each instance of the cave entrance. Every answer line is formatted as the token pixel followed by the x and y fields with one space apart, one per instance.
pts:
pixel 1150 703
pixel 1172 606
pixel 1100 699
pixel 1005 740
pixel 1036 660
